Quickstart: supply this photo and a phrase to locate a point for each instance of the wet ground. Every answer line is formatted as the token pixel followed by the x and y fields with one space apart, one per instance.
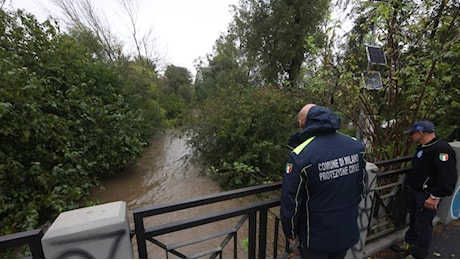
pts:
pixel 445 245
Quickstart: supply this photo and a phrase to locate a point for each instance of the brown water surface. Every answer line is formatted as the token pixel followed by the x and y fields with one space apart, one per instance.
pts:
pixel 166 174
pixel 163 174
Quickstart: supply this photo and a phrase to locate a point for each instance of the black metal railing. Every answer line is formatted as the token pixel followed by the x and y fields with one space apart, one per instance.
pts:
pixel 257 230
pixel 389 206
pixel 32 238
pixel 388 215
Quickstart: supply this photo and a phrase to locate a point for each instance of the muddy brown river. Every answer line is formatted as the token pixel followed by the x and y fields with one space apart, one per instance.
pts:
pixel 166 174
pixel 163 174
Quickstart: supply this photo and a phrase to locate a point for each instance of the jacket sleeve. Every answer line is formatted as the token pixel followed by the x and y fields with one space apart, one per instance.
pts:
pixel 446 171
pixel 291 198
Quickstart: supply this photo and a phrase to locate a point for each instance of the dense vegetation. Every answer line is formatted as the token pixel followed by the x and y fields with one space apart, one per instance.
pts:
pixel 420 79
pixel 74 108
pixel 243 133
pixel 70 116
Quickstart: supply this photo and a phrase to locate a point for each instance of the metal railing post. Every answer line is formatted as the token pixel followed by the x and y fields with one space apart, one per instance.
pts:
pixel 140 237
pixel 262 233
pixel 275 240
pixel 252 230
pixel 36 247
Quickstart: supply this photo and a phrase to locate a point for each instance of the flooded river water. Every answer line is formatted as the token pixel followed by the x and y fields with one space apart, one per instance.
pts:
pixel 163 174
pixel 166 174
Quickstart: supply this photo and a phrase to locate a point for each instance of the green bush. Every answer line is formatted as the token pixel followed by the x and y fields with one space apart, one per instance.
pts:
pixel 64 122
pixel 242 133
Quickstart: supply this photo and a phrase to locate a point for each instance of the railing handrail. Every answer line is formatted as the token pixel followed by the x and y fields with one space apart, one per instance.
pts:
pixel 142 234
pixel 393 161
pixel 213 217
pixel 33 237
pixel 30 237
pixel 204 200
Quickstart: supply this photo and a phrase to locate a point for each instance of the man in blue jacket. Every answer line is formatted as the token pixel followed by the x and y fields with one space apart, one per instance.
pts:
pixel 322 186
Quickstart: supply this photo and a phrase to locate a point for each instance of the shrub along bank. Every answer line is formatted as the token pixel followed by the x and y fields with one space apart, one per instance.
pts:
pixel 65 119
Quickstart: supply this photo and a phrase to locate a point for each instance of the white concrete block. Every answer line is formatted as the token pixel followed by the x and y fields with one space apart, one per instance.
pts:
pixel 100 231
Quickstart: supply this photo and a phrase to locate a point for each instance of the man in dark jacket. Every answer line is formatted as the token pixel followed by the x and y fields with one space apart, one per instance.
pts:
pixel 322 186
pixel 433 175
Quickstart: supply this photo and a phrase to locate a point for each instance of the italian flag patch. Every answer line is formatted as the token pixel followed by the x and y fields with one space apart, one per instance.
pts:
pixel 443 157
pixel 288 168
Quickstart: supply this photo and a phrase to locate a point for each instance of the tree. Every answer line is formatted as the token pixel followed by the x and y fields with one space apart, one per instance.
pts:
pixel 422 49
pixel 65 122
pixel 244 118
pixel 175 94
pixel 139 70
pixel 141 91
pixel 178 81
pixel 278 36
pixel 225 68
pixel 81 15
pixel 145 45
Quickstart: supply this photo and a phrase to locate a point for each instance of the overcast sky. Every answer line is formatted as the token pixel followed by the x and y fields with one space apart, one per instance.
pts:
pixel 184 30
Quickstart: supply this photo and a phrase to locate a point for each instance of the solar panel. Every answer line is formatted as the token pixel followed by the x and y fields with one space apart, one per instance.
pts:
pixel 373 80
pixel 375 55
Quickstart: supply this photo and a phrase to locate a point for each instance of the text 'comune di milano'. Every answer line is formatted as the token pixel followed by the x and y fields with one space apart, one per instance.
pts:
pixel 338 167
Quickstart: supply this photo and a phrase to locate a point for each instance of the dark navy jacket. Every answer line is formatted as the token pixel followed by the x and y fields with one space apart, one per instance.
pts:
pixel 434 168
pixel 322 185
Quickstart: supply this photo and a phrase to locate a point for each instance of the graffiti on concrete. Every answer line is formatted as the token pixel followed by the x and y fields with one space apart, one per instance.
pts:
pixel 78 247
pixel 364 217
pixel 455 205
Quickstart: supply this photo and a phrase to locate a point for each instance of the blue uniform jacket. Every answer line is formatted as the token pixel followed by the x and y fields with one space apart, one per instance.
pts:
pixel 322 185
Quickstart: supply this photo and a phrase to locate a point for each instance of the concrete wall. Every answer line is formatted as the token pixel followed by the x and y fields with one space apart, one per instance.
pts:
pixel 100 231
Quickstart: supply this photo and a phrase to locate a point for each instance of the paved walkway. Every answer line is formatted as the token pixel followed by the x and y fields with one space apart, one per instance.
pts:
pixel 445 245
pixel 446 241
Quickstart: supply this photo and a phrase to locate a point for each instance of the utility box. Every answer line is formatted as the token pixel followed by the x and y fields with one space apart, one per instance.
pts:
pixel 100 231
pixel 449 208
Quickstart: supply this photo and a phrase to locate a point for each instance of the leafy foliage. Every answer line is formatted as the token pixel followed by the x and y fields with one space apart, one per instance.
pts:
pixel 224 69
pixel 420 78
pixel 141 91
pixel 276 36
pixel 176 94
pixel 66 121
pixel 244 119
pixel 242 134
pixel 421 42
